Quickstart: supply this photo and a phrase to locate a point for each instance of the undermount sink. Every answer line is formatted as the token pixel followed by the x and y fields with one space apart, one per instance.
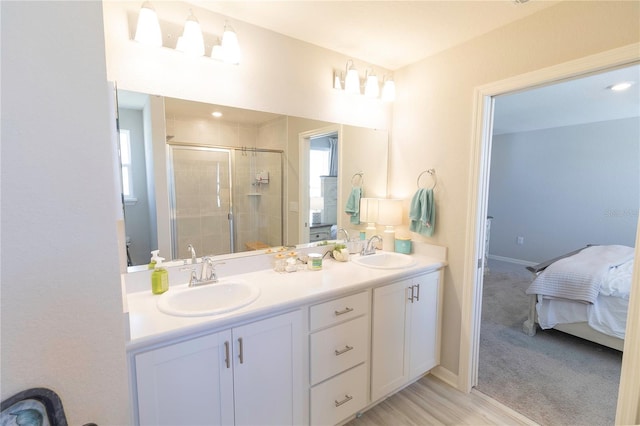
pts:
pixel 385 260
pixel 207 299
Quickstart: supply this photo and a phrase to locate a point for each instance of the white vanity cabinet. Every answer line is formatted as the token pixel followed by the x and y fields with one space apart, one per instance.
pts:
pixel 339 353
pixel 247 375
pixel 405 332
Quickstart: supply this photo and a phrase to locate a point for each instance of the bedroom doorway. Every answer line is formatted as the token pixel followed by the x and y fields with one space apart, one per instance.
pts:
pixel 484 131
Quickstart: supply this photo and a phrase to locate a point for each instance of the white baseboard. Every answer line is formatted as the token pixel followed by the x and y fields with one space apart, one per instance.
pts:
pixel 446 376
pixel 512 260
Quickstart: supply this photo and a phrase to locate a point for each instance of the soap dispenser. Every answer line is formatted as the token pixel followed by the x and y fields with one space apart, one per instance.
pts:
pixel 154 259
pixel 159 277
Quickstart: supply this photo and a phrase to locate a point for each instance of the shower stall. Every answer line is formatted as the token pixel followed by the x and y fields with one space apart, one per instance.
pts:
pixel 224 200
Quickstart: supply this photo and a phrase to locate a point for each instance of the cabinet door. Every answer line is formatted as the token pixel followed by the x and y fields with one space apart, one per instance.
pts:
pixel 186 383
pixel 268 371
pixel 423 325
pixel 389 340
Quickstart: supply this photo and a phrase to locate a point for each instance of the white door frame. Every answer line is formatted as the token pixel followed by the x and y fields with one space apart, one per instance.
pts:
pixel 478 198
pixel 304 147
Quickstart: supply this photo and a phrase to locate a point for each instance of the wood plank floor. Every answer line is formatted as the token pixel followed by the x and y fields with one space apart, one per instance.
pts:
pixel 429 401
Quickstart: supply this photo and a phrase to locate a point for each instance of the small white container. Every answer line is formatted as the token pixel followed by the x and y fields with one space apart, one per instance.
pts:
pixel 314 262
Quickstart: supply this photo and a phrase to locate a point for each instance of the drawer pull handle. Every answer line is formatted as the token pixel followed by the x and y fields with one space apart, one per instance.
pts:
pixel 346 399
pixel 412 297
pixel 417 292
pixel 226 354
pixel 345 311
pixel 347 348
pixel 241 355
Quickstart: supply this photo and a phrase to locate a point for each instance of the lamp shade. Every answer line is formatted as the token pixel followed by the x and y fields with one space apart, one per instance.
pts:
pixel 369 210
pixel 316 203
pixel 148 28
pixel 389 212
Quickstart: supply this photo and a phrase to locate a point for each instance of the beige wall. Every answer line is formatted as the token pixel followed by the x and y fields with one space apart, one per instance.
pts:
pixel 432 125
pixel 62 321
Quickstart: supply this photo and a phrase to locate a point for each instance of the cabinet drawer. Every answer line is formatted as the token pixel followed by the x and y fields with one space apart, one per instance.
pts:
pixel 338 310
pixel 340 397
pixel 338 348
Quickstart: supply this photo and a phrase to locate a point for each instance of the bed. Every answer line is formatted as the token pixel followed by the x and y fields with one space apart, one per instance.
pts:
pixel 584 293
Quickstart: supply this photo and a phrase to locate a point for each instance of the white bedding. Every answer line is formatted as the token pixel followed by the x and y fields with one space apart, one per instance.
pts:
pixel 608 313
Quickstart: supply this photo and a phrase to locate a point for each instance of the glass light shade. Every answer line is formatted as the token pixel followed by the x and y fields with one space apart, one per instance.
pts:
pixel 192 41
pixel 230 46
pixel 148 28
pixel 216 52
pixel 352 81
pixel 389 212
pixel 337 82
pixel 389 91
pixel 372 89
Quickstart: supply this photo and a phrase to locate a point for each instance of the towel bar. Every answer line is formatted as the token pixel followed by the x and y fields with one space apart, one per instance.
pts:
pixel 361 174
pixel 432 172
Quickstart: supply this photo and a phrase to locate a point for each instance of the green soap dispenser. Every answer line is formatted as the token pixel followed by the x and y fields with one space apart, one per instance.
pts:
pixel 154 259
pixel 159 277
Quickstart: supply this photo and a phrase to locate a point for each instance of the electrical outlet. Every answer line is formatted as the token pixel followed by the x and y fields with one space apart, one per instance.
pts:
pixel 520 241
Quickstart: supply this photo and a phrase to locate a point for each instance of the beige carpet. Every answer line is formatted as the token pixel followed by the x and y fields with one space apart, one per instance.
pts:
pixel 552 378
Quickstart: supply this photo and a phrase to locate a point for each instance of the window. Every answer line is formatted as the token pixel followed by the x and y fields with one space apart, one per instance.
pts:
pixel 126 166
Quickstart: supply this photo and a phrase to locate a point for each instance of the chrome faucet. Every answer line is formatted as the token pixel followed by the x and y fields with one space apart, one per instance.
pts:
pixel 369 247
pixel 208 273
pixel 346 234
pixel 194 258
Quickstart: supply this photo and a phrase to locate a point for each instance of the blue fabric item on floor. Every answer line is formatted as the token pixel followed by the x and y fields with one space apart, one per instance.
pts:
pixel 422 212
pixel 353 205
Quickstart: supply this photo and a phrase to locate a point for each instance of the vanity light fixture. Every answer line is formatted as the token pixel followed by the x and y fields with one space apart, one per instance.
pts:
pixel 191 41
pixel 351 83
pixel 372 87
pixel 149 32
pixel 388 90
pixel 148 27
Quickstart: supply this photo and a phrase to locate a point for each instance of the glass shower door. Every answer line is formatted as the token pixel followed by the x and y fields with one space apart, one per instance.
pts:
pixel 201 200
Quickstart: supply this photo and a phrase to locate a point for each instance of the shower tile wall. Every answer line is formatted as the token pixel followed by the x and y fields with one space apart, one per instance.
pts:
pixel 257 218
pixel 201 204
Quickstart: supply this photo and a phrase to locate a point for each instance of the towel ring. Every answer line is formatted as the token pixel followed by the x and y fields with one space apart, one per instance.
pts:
pixel 432 172
pixel 359 174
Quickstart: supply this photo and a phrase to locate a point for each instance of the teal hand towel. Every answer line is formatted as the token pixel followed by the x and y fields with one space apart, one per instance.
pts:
pixel 353 205
pixel 422 212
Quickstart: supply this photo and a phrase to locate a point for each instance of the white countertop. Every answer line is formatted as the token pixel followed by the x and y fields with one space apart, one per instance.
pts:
pixel 278 292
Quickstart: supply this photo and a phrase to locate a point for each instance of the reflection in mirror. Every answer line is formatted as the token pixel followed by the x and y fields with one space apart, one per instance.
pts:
pixel 231 183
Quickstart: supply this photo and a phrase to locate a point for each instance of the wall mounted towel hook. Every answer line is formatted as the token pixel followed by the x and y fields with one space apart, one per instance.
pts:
pixel 431 172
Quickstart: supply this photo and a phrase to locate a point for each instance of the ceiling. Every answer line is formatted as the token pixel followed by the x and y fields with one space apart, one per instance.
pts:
pixel 414 30
pixel 391 34
pixel 578 101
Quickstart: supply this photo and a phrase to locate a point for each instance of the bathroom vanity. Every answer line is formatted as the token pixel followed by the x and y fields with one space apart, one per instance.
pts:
pixel 316 347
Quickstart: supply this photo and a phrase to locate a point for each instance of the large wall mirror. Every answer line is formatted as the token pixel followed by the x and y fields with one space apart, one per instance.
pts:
pixel 229 180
